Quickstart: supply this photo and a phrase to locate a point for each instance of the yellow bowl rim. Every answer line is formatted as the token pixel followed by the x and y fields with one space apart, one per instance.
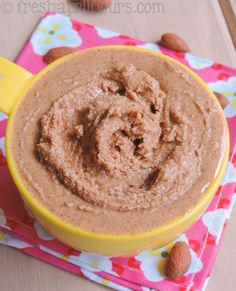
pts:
pixel 49 216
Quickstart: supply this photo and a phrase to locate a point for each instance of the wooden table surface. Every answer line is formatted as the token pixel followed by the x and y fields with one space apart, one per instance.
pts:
pixel 203 26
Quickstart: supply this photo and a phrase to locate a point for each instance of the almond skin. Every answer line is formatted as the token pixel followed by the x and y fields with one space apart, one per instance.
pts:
pixel 174 42
pixel 56 53
pixel 179 261
pixel 222 99
pixel 94 5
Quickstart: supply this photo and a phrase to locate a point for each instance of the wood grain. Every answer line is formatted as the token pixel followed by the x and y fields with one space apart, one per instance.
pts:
pixel 233 5
pixel 230 18
pixel 202 24
pixel 24 273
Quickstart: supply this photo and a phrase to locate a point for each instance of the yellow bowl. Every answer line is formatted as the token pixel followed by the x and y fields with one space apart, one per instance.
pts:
pixel 14 84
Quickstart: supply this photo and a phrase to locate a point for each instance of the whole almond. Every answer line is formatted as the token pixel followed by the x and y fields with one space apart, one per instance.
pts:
pixel 94 5
pixel 222 99
pixel 56 53
pixel 174 42
pixel 179 260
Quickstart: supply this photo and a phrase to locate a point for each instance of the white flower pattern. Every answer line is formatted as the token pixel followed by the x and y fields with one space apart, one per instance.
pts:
pixel 2 145
pixel 230 175
pixel 214 221
pixel 3 220
pixel 41 232
pixel 153 262
pixel 54 31
pixel 93 263
pixel 11 241
pixel 105 33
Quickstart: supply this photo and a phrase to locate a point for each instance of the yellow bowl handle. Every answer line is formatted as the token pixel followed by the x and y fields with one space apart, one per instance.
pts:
pixel 12 81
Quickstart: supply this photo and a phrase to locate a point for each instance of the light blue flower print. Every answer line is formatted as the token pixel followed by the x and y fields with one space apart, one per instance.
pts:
pixel 2 145
pixel 11 241
pixel 54 31
pixel 2 116
pixel 150 46
pixel 197 63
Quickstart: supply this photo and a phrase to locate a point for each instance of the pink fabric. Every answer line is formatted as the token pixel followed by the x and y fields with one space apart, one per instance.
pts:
pixel 204 238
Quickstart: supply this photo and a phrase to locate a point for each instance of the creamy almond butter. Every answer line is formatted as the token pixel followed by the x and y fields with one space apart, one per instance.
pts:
pixel 118 141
